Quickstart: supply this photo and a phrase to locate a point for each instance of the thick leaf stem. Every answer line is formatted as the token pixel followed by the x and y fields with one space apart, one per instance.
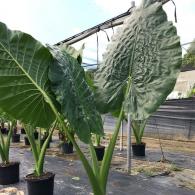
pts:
pixel 43 151
pixel 92 178
pixel 104 170
pixel 7 144
pixel 94 160
pixel 2 148
pixel 33 145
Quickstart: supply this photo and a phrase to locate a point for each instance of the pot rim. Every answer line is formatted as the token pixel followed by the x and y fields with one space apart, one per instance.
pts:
pixel 100 146
pixel 12 163
pixel 17 134
pixel 38 178
pixel 142 143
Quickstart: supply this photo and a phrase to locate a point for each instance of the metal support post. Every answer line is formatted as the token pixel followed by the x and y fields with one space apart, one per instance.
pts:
pixel 129 145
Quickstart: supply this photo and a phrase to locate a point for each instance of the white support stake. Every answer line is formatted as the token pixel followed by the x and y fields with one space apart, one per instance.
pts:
pixel 129 145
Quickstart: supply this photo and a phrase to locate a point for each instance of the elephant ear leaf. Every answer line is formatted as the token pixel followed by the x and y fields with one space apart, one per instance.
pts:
pixel 24 84
pixel 74 95
pixel 146 51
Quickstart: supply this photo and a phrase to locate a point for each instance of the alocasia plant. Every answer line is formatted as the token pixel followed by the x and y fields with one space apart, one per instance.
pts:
pixel 5 140
pixel 145 55
pixel 139 69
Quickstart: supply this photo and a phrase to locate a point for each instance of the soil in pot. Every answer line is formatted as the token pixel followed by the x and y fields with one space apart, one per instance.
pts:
pixel 3 130
pixel 16 138
pixel 138 149
pixel 9 173
pixel 23 131
pixel 42 185
pixel 67 148
pixel 99 150
pixel 26 141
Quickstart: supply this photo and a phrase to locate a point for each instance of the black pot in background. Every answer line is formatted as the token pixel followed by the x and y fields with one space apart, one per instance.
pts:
pixel 26 141
pixel 9 174
pixel 42 142
pixel 138 149
pixel 67 148
pixel 23 131
pixel 99 150
pixel 3 130
pixel 36 135
pixel 7 131
pixel 15 138
pixel 15 131
pixel 43 185
pixel 61 136
pixel 45 136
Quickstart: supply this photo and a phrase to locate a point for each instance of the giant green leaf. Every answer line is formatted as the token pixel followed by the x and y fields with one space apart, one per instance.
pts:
pixel 24 84
pixel 74 95
pixel 146 51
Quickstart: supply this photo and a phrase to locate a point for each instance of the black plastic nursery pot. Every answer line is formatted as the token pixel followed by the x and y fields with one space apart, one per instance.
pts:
pixel 23 131
pixel 26 141
pixel 45 137
pixel 138 149
pixel 61 136
pixel 7 131
pixel 42 142
pixel 15 138
pixel 4 130
pixel 9 173
pixel 42 185
pixel 99 150
pixel 67 148
pixel 36 135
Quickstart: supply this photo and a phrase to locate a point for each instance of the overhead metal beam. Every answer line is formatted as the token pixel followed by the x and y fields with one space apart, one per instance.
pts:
pixel 116 21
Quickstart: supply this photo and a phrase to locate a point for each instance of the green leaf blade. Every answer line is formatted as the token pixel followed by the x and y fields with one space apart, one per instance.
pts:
pixel 74 95
pixel 146 49
pixel 24 83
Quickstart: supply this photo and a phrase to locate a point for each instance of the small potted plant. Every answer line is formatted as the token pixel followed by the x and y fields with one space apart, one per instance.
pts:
pixel 99 149
pixel 9 171
pixel 39 182
pixel 65 145
pixel 15 136
pixel 138 147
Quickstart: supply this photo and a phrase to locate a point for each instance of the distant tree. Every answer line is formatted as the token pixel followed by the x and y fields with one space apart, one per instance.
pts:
pixel 189 57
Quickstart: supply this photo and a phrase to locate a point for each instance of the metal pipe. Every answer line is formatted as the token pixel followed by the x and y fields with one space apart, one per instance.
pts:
pixel 116 21
pixel 121 137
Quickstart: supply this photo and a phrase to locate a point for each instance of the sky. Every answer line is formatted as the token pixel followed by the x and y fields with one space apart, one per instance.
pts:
pixel 51 21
